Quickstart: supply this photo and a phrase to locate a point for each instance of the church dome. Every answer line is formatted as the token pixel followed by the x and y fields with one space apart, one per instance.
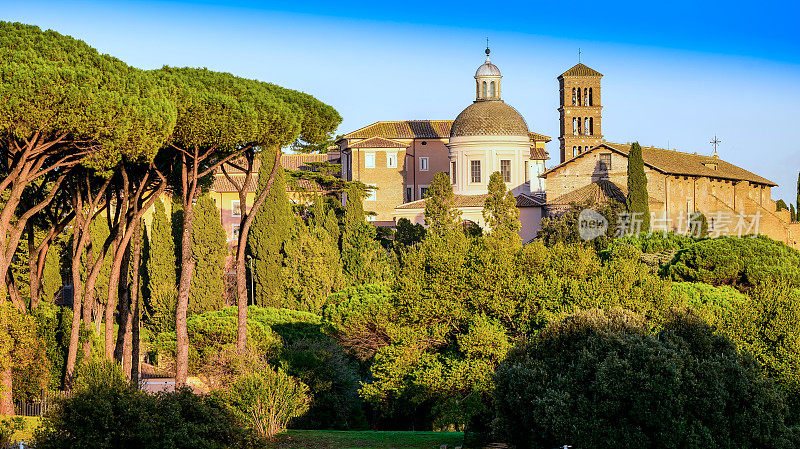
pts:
pixel 487 69
pixel 489 118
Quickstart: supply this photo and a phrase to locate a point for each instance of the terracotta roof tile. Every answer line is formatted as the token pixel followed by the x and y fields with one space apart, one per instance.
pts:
pixel 473 201
pixel 601 191
pixel 539 153
pixel 673 162
pixel 536 137
pixel 581 70
pixel 378 142
pixel 407 129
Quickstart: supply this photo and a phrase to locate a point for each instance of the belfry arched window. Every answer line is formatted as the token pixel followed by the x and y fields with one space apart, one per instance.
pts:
pixel 591 97
pixel 585 96
pixel 574 99
pixel 484 89
pixel 491 90
pixel 579 96
pixel 591 126
pixel 574 126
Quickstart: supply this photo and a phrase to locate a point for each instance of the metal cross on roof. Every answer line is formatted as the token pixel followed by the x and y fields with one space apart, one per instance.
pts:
pixel 715 142
pixel 579 55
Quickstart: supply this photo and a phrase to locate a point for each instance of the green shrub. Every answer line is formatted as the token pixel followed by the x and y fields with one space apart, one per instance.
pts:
pixel 106 412
pixel 658 242
pixel 740 262
pixel 600 380
pixel 267 399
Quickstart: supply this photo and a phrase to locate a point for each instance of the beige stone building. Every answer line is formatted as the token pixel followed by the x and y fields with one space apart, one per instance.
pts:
pixel 401 158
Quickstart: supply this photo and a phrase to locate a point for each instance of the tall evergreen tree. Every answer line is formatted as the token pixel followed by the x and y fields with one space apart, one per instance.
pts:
pixel 271 227
pixel 51 275
pixel 209 249
pixel 797 201
pixel 500 211
pixel 161 276
pixel 363 258
pixel 441 215
pixel 794 213
pixel 332 225
pixel 638 198
pixel 312 269
pixel 781 205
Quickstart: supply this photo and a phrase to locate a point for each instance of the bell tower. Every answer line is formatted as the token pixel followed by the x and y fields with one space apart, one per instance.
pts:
pixel 580 110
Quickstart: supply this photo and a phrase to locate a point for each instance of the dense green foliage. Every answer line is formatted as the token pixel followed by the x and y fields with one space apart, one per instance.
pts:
pixel 311 269
pixel 740 262
pixel 408 233
pixel 501 213
pixel 160 272
pixel 564 228
pixel 620 386
pixel 364 260
pixel 271 229
pixel 638 198
pixel 209 249
pixel 441 216
pixel 106 412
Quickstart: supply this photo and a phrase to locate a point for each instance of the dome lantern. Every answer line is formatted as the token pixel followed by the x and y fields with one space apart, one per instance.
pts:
pixel 487 80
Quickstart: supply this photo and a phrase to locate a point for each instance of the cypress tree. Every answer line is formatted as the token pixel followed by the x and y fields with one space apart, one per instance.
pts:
pixel 312 269
pixel 51 275
pixel 780 205
pixel 209 249
pixel 794 213
pixel 441 216
pixel 797 201
pixel 500 211
pixel 363 258
pixel 332 225
pixel 318 211
pixel 270 230
pixel 161 279
pixel 638 198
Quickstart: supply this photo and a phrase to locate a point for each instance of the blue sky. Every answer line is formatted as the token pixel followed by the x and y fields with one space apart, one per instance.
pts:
pixel 676 72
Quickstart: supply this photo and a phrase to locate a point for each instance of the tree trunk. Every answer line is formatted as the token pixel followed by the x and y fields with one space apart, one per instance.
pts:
pixel 7 384
pixel 241 269
pixel 134 294
pixel 33 269
pixel 189 178
pixel 123 292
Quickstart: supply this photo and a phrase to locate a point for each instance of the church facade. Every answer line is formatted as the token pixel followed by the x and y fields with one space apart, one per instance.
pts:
pixel 400 159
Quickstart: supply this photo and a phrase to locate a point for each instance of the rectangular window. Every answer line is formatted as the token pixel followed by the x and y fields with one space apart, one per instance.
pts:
pixel 423 164
pixel 423 191
pixel 372 195
pixel 475 171
pixel 527 172
pixel 605 161
pixel 505 170
pixel 236 210
pixel 453 176
pixel 391 160
pixel 369 160
pixel 236 232
pixel 409 194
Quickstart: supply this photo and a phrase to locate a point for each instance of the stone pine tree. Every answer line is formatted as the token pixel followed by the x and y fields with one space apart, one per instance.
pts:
pixel 500 211
pixel 638 205
pixel 363 258
pixel 441 215
pixel 161 272
pixel 209 249
pixel 271 227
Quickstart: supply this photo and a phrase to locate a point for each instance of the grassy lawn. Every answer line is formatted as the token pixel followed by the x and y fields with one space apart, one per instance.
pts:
pixel 31 423
pixel 327 439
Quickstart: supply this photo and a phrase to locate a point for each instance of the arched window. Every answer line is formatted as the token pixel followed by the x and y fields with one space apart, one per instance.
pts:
pixel 586 126
pixel 484 89
pixel 573 96
pixel 580 149
pixel 591 97
pixel 591 126
pixel 579 96
pixel 580 126
pixel 585 96
pixel 491 90
pixel 574 151
pixel 574 126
